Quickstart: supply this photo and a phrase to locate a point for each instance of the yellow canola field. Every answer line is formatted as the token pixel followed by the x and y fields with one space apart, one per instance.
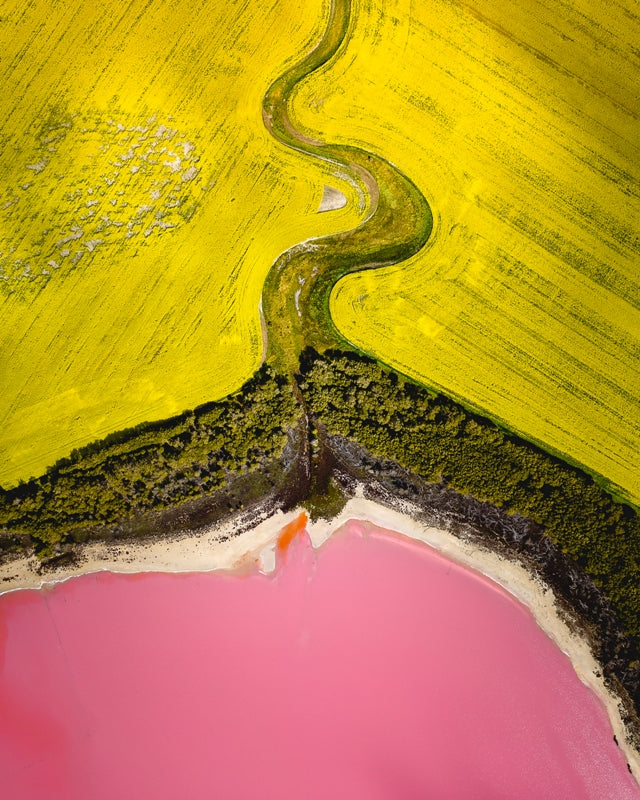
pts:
pixel 520 124
pixel 142 204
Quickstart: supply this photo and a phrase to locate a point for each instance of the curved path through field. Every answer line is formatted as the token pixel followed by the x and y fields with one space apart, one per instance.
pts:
pixel 398 223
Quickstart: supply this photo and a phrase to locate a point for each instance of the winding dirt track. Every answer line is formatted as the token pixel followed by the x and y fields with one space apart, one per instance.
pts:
pixel 398 223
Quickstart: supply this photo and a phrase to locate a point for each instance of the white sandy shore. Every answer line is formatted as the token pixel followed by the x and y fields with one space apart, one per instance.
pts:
pixel 203 550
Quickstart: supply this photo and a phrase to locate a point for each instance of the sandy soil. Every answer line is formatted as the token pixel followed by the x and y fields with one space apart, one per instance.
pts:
pixel 218 548
pixel 332 199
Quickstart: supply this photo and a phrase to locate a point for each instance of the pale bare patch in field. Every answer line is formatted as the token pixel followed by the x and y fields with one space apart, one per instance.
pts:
pixel 332 199
pixel 95 180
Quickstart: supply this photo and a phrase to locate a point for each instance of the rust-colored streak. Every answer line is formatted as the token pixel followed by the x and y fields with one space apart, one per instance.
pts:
pixel 290 531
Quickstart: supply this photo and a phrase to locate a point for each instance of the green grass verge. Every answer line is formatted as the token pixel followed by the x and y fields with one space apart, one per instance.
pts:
pixel 297 290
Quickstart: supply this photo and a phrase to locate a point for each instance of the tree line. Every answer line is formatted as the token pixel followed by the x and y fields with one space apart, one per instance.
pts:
pixel 165 465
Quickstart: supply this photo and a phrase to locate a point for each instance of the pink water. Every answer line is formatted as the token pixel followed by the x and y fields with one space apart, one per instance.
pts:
pixel 371 668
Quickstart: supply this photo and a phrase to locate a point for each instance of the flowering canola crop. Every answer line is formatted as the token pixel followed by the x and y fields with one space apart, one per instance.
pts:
pixel 520 126
pixel 142 203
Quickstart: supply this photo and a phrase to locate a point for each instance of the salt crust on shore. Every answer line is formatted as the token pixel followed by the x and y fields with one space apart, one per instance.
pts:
pixel 208 549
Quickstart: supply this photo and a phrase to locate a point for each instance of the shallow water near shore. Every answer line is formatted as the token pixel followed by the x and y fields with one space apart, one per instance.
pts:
pixel 372 667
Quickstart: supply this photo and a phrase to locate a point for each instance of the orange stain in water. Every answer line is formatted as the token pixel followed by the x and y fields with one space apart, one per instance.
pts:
pixel 290 531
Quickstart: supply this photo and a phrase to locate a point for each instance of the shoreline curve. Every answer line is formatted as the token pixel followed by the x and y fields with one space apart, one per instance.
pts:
pixel 216 548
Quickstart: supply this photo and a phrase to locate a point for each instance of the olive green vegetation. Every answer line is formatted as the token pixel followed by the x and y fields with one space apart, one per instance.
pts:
pixel 398 223
pixel 166 465
pixel 150 468
pixel 439 440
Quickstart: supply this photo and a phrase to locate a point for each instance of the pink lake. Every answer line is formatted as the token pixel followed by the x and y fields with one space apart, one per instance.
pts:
pixel 370 668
